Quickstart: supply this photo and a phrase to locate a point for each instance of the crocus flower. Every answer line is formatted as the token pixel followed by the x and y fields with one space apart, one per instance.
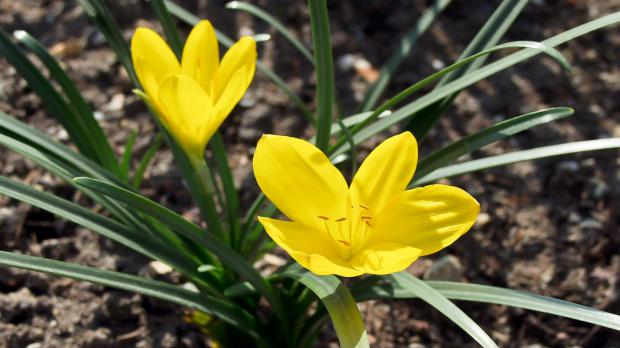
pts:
pixel 193 97
pixel 374 225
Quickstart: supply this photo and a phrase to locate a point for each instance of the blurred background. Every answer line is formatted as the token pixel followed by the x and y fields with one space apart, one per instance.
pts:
pixel 549 227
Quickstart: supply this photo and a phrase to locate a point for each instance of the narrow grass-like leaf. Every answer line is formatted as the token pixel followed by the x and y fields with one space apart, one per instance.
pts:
pixel 340 304
pixel 442 304
pixel 126 161
pixel 374 288
pixel 101 16
pixel 54 102
pixel 230 191
pixel 218 307
pixel 100 144
pixel 498 131
pixel 131 238
pixel 552 52
pixel 190 231
pixel 518 156
pixel 191 19
pixel 489 35
pixel 138 174
pixel 275 23
pixel 322 44
pixel 400 53
pixel 42 142
pixel 411 108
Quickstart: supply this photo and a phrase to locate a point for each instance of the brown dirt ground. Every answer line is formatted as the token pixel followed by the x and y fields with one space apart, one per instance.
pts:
pixel 550 227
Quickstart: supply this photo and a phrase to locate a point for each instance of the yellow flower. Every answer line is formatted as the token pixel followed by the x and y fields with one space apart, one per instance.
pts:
pixel 195 96
pixel 374 226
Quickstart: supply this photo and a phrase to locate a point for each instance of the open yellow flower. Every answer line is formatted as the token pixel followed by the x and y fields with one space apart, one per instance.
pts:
pixel 374 226
pixel 195 96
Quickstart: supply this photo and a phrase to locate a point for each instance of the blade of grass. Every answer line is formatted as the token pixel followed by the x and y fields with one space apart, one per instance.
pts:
pixel 555 54
pixel 275 23
pixel 321 42
pixel 133 239
pixel 220 308
pixel 189 230
pixel 442 304
pixel 403 49
pixel 518 156
pixel 340 304
pixel 498 131
pixel 55 103
pixel 411 108
pixel 126 160
pixel 489 35
pixel 374 288
pixel 105 154
pixel 191 19
pixel 138 175
pixel 230 191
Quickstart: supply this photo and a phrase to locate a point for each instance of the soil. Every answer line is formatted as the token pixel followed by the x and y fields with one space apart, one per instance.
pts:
pixel 549 227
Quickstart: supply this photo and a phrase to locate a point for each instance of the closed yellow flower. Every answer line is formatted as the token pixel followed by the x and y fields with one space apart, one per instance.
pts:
pixel 374 226
pixel 195 96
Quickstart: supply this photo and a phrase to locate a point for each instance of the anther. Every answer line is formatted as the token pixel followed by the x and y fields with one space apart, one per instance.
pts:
pixel 363 206
pixel 366 217
pixel 344 242
pixel 323 218
pixel 341 219
pixel 367 223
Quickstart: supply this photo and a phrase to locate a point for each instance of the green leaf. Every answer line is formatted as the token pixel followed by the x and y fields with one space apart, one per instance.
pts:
pixel 518 156
pixel 429 79
pixel 220 308
pixel 411 108
pixel 522 299
pixel 275 23
pixel 374 288
pixel 55 103
pixel 191 19
pixel 400 53
pixel 442 304
pixel 138 174
pixel 489 35
pixel 321 41
pixel 126 161
pixel 190 231
pixel 42 142
pixel 230 191
pixel 100 144
pixel 340 304
pixel 498 131
pixel 129 237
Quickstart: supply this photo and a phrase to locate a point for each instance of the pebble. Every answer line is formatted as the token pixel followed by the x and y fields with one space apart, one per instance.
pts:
pixel 447 268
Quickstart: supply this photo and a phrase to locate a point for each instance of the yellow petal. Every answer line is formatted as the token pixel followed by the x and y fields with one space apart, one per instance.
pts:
pixel 309 247
pixel 300 180
pixel 386 172
pixel 201 56
pixel 152 59
pixel 241 55
pixel 232 94
pixel 428 218
pixel 385 258
pixel 187 110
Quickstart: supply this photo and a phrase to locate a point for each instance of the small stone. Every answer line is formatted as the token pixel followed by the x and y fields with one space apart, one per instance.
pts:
pixel 590 224
pixel 568 166
pixel 447 268
pixel 160 267
pixel 483 219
